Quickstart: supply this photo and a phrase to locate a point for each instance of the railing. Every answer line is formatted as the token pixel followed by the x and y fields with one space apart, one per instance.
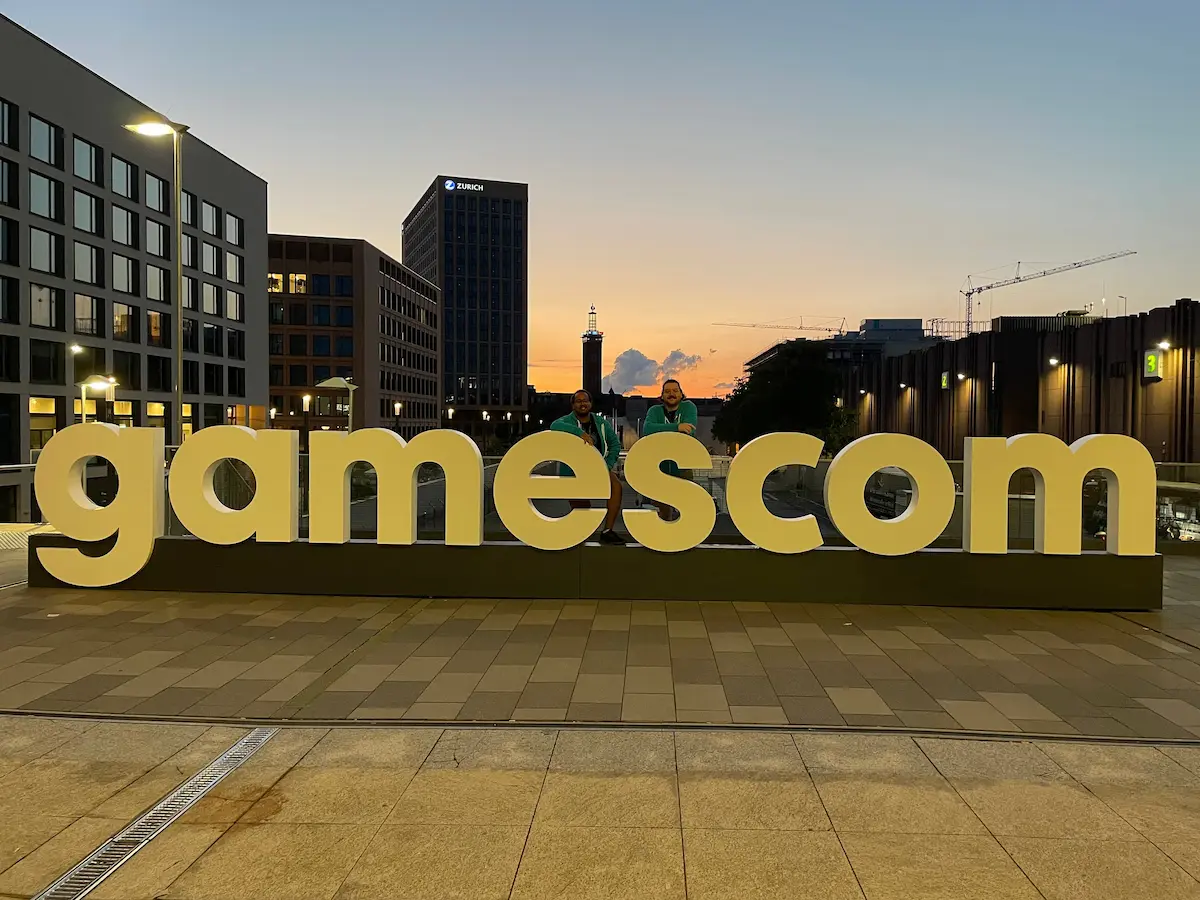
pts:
pixel 788 492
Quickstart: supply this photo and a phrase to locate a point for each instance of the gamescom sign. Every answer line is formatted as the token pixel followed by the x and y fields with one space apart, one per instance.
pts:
pixel 137 513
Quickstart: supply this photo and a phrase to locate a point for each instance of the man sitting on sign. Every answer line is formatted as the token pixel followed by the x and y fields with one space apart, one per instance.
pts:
pixel 595 431
pixel 674 414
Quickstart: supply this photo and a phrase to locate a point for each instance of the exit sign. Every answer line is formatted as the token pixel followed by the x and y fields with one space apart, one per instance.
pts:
pixel 1152 364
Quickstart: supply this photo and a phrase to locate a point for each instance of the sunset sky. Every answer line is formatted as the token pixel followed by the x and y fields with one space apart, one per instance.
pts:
pixel 692 163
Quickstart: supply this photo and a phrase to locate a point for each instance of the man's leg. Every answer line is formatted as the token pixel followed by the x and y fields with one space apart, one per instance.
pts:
pixel 614 501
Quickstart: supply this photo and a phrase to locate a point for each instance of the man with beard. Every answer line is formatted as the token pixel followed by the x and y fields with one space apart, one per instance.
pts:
pixel 675 413
pixel 596 432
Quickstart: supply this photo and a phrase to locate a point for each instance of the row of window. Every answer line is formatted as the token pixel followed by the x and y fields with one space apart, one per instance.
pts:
pixel 315 285
pixel 407 357
pixel 322 345
pixel 124 276
pixel 405 383
pixel 317 314
pixel 483 390
pixel 409 409
pixel 305 376
pixel 397 302
pixel 400 275
pixel 314 251
pixel 48 365
pixel 395 328
pixel 483 204
pixel 46 144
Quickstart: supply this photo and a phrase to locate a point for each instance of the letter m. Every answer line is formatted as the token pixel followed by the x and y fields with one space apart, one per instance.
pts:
pixel 332 455
pixel 1058 472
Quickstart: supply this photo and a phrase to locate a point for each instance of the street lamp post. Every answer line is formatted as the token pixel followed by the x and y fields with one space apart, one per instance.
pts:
pixel 307 401
pixel 156 129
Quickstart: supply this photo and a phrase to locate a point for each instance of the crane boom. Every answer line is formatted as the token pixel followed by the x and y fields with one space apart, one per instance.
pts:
pixel 973 290
pixel 778 327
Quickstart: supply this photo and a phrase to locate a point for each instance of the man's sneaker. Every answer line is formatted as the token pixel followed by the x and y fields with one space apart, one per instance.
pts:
pixel 611 537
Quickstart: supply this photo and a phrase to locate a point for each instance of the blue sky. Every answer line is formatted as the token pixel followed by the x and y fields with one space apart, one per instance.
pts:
pixel 697 162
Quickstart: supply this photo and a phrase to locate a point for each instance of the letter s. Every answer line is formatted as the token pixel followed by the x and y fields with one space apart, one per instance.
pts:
pixel 135 515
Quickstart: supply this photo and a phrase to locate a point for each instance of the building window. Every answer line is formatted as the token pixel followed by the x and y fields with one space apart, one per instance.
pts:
pixel 276 344
pixel 8 125
pixel 45 142
pixel 46 307
pixel 320 314
pixel 124 227
pixel 157 239
pixel 191 377
pixel 10 302
pixel 320 286
pixel 158 284
pixel 298 284
pixel 210 219
pixel 124 274
pixel 344 346
pixel 320 373
pixel 124 178
pixel 124 322
pixel 237 381
pixel 189 209
pixel 274 283
pixel 89 264
pixel 189 251
pixel 343 286
pixel 275 313
pixel 298 376
pixel 212 260
pixel 211 299
pixel 191 336
pixel 45 252
pixel 233 268
pixel 89 162
pixel 156 193
pixel 128 369
pixel 89 315
pixel 10 191
pixel 235 306
pixel 345 316
pixel 320 345
pixel 158 329
pixel 189 292
pixel 158 373
pixel 10 246
pixel 89 214
pixel 236 343
pixel 213 378
pixel 297 345
pixel 275 376
pixel 46 362
pixel 45 197
pixel 296 314
pixel 233 230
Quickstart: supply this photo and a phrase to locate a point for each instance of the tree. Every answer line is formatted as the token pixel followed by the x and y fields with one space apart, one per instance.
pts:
pixel 795 390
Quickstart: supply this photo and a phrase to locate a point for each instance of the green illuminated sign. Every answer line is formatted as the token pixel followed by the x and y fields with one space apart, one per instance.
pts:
pixel 1152 364
pixel 945 381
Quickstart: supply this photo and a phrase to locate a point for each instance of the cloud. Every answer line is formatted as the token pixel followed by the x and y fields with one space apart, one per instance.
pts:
pixel 633 369
pixel 725 385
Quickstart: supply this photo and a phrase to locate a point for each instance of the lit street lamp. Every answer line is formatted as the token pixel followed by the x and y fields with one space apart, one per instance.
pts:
pixel 396 407
pixel 106 385
pixel 157 129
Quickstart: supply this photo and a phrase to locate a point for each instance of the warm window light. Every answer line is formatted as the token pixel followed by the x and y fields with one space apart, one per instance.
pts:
pixel 961 376
pixel 1164 345
pixel 1054 360
pixel 152 129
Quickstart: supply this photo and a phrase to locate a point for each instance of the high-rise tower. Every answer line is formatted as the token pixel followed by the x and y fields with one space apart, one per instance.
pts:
pixel 593 355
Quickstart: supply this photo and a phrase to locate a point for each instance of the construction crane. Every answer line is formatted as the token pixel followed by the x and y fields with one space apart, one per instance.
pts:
pixel 801 327
pixel 974 290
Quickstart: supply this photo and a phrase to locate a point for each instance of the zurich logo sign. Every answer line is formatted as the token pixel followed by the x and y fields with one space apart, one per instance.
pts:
pixel 449 184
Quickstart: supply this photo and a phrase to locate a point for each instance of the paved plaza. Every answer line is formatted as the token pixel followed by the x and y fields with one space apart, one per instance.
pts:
pixel 538 813
pixel 218 657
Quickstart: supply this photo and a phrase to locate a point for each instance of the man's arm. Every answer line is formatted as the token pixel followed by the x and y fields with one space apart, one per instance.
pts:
pixel 688 414
pixel 656 422
pixel 562 425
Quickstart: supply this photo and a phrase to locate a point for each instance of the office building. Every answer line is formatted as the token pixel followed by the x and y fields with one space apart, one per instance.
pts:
pixel 87 261
pixel 593 357
pixel 1068 375
pixel 342 308
pixel 469 237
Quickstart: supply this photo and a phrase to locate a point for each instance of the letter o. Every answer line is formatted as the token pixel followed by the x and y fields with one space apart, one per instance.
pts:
pixel 932 494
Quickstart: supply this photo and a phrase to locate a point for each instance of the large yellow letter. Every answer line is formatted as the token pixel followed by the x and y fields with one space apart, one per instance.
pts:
pixel 928 512
pixel 743 492
pixel 515 486
pixel 1058 473
pixel 397 466
pixel 135 515
pixel 273 514
pixel 697 510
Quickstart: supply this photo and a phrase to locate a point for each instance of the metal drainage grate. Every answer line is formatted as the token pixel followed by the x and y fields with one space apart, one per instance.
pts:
pixel 117 850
